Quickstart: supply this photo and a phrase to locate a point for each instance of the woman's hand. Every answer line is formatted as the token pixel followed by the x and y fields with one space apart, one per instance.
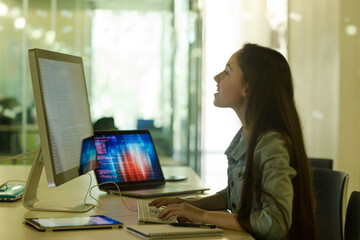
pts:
pixel 183 211
pixel 188 210
pixel 179 207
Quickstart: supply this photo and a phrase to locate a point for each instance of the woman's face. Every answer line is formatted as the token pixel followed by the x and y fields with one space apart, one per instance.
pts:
pixel 231 87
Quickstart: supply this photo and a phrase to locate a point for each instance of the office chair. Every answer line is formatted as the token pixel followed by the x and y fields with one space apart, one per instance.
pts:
pixel 321 163
pixel 105 123
pixel 330 192
pixel 352 222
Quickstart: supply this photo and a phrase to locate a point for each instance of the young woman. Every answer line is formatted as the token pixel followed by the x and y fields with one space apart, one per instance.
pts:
pixel 269 192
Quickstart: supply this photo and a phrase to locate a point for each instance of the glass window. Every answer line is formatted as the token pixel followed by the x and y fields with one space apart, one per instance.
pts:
pixel 138 59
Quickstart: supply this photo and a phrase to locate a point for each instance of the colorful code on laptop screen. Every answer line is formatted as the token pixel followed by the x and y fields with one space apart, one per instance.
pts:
pixel 88 159
pixel 126 158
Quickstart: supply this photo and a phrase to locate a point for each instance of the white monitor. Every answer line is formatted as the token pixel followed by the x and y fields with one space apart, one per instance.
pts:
pixel 64 121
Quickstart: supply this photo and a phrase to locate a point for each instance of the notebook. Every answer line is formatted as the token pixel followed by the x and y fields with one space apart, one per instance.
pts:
pixel 157 231
pixel 129 159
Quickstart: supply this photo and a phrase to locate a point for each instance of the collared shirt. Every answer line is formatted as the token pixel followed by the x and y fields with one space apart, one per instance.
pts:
pixel 272 154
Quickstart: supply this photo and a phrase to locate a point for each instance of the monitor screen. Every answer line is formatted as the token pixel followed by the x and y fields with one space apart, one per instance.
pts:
pixel 62 111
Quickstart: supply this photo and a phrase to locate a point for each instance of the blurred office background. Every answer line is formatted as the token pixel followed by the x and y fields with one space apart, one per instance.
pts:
pixel 150 64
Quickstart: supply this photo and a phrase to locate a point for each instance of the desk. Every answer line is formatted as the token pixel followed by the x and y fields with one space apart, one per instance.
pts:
pixel 13 213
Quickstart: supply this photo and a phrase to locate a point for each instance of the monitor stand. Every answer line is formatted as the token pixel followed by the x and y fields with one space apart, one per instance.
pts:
pixel 30 199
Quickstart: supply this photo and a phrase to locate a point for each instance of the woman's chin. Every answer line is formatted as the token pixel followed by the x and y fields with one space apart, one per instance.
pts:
pixel 217 104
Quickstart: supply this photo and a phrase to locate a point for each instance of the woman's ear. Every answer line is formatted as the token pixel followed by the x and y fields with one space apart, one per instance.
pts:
pixel 246 91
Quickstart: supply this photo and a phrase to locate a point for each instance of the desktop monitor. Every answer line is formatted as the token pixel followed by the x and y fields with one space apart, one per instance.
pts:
pixel 64 122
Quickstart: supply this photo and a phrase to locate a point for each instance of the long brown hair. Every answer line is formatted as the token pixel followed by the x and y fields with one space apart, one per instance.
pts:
pixel 271 106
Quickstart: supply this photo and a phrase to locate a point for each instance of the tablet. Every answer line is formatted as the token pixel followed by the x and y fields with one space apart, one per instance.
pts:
pixel 71 223
pixel 11 192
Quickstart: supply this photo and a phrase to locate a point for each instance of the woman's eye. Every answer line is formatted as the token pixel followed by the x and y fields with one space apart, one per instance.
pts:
pixel 225 72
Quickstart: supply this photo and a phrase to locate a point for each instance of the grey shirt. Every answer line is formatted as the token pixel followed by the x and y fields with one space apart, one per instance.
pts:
pixel 271 152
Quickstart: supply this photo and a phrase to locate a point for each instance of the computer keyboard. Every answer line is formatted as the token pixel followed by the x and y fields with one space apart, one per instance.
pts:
pixel 148 214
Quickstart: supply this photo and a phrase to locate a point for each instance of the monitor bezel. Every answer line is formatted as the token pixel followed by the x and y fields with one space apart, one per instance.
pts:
pixel 53 178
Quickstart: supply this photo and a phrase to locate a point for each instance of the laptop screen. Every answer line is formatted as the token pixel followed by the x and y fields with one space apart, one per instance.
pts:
pixel 127 158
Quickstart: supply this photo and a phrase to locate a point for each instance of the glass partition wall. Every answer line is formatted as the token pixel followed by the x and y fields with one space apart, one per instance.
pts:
pixel 142 63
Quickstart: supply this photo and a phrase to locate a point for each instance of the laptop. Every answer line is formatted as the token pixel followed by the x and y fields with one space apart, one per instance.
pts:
pixel 129 159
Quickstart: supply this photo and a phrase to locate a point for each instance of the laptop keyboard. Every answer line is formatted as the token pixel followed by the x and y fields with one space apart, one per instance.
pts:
pixel 149 214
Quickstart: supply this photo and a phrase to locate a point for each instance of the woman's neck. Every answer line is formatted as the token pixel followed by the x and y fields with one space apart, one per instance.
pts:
pixel 241 116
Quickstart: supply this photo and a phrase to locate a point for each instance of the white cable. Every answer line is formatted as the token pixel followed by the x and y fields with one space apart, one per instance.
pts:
pixel 6 183
pixel 87 192
pixel 18 157
pixel 23 181
pixel 14 158
pixel 117 186
pixel 100 205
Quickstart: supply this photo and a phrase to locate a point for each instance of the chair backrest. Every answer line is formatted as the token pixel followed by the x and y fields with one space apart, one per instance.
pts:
pixel 352 221
pixel 105 123
pixel 330 192
pixel 326 163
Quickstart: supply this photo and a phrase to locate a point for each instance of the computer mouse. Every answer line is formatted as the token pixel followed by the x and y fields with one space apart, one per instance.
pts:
pixel 175 178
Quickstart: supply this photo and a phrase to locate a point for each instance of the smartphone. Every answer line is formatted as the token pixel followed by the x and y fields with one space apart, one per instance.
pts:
pixel 71 223
pixel 11 192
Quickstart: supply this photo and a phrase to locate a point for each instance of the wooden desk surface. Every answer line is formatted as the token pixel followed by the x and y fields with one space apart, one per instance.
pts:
pixel 13 213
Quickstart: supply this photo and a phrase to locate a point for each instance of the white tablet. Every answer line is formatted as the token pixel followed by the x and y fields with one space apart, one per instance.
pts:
pixel 70 223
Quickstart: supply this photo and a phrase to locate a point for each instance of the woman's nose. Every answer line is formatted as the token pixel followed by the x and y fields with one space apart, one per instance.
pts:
pixel 217 77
